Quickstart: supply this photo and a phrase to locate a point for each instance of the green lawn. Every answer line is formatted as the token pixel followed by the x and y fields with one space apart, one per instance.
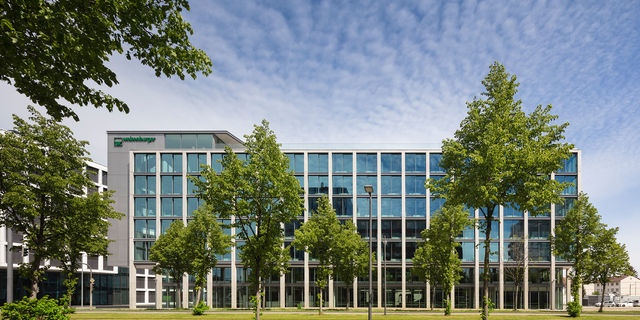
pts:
pixel 272 316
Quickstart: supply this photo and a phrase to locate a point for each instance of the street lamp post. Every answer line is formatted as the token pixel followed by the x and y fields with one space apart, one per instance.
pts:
pixel 91 281
pixel 384 272
pixel 369 189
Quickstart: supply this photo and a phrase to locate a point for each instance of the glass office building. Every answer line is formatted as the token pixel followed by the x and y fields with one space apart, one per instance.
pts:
pixel 149 170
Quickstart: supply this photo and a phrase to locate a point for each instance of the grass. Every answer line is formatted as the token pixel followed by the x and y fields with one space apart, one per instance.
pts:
pixel 341 316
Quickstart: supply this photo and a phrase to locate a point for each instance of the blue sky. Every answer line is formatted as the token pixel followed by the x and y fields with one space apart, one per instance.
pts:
pixel 370 72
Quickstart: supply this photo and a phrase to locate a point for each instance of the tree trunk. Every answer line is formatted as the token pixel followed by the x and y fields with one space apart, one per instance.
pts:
pixel 515 299
pixel 179 294
pixel 320 310
pixel 447 307
pixel 198 295
pixel 485 273
pixel 604 285
pixel 35 277
pixel 433 296
pixel 258 298
pixel 348 298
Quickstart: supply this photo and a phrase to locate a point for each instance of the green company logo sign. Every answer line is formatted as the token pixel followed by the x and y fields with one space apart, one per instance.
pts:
pixel 117 141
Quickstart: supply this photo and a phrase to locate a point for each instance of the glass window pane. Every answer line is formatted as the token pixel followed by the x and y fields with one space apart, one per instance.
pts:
pixel 513 251
pixel 140 185
pixel 570 165
pixel 391 185
pixel 414 185
pixel 495 229
pixel 342 162
pixel 140 207
pixel 172 141
pixel 177 185
pixel 342 185
pixel 363 207
pixel 192 205
pixel 434 162
pixel 216 158
pixel 318 184
pixel 391 207
pixel 539 251
pixel 415 162
pixel 151 185
pixel 509 211
pixel 391 162
pixel 140 163
pixel 189 141
pixel 563 208
pixel 367 162
pixel 570 190
pixel 468 251
pixel 205 141
pixel 166 162
pixel 177 207
pixel 362 181
pixel 435 205
pixel 513 229
pixel 151 163
pixel 493 250
pixel 343 206
pixel 416 207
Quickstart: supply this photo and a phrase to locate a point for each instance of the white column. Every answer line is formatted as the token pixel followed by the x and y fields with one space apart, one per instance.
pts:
pixel 476 272
pixel 404 235
pixel 501 259
pixel 282 291
pixel 210 289
pixel 234 270
pixel 379 233
pixel 552 285
pixel 158 291
pixel 354 295
pixel 132 268
pixel 306 217
pixel 428 224
pixel 330 195
pixel 525 283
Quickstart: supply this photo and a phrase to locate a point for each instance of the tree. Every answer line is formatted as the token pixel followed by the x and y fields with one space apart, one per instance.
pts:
pixel 317 236
pixel 173 255
pixel 260 194
pixel 52 50
pixel 574 236
pixel 352 254
pixel 41 185
pixel 86 231
pixel 205 239
pixel 502 156
pixel 516 267
pixel 439 260
pixel 609 259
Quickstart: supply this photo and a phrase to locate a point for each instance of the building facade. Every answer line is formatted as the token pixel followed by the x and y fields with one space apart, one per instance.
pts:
pixel 109 287
pixel 149 169
pixel 620 286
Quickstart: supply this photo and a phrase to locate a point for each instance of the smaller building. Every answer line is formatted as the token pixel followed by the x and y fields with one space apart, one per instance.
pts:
pixel 620 286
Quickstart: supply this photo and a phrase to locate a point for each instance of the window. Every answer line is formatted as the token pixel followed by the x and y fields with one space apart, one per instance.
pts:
pixel 363 228
pixel 342 185
pixel 415 162
pixel 513 229
pixel 362 206
pixel 171 162
pixel 318 162
pixel 141 250
pixel 171 207
pixel 514 251
pixel 416 207
pixel 466 251
pixel 171 184
pixel 411 249
pixel 393 250
pixel 510 211
pixel 165 224
pixel 144 207
pixel 291 227
pixel 342 162
pixel 144 162
pixel 414 228
pixel 570 190
pixel 495 229
pixel 367 162
pixel 144 229
pixel 435 205
pixel 415 185
pixel 391 185
pixel 539 251
pixel 300 182
pixel 362 181
pixel 391 162
pixel 193 204
pixel 294 254
pixel 296 162
pixel 539 229
pixel 93 174
pixel 570 165
pixel 216 161
pixel 188 141
pixel 467 233
pixel 343 206
pixel 434 162
pixel 145 185
pixel 195 160
pixel 563 208
pixel 391 207
pixel 191 187
pixel 493 254
pixel 104 178
pixel 318 184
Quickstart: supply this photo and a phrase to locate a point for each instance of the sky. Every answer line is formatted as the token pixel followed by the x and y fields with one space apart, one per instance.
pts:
pixel 398 72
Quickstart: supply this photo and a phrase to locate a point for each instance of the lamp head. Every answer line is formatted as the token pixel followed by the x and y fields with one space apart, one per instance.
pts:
pixel 368 189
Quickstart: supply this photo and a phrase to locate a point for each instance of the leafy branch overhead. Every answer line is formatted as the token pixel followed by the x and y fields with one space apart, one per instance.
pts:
pixel 59 50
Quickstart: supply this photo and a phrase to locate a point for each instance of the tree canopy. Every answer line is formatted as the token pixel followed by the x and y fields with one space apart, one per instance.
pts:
pixel 502 156
pixel 173 255
pixel 54 51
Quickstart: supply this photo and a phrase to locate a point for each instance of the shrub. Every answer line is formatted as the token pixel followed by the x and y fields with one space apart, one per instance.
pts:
pixel 574 309
pixel 200 308
pixel 38 309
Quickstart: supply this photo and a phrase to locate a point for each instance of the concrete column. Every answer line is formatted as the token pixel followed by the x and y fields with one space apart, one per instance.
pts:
pixel 404 235
pixel 158 291
pixel 9 259
pixel 379 233
pixel 525 283
pixel 210 289
pixel 330 296
pixel 453 297
pixel 234 271
pixel 427 290
pixel 501 259
pixel 185 291
pixel 132 285
pixel 282 291
pixel 476 272
pixel 552 279
pixel 354 294
pixel 306 218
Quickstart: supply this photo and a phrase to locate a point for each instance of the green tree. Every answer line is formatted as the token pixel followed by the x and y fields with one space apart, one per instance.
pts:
pixel 173 255
pixel 609 259
pixel 439 260
pixel 261 194
pixel 41 189
pixel 515 268
pixel 318 237
pixel 87 228
pixel 502 156
pixel 574 236
pixel 205 239
pixel 53 50
pixel 352 256
pixel 426 267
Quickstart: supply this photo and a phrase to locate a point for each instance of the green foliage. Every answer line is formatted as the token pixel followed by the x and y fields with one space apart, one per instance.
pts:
pixel 502 156
pixel 490 307
pixel 53 50
pixel 574 308
pixel 261 194
pixel 436 259
pixel 205 239
pixel 41 195
pixel 38 309
pixel 173 255
pixel 575 235
pixel 200 309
